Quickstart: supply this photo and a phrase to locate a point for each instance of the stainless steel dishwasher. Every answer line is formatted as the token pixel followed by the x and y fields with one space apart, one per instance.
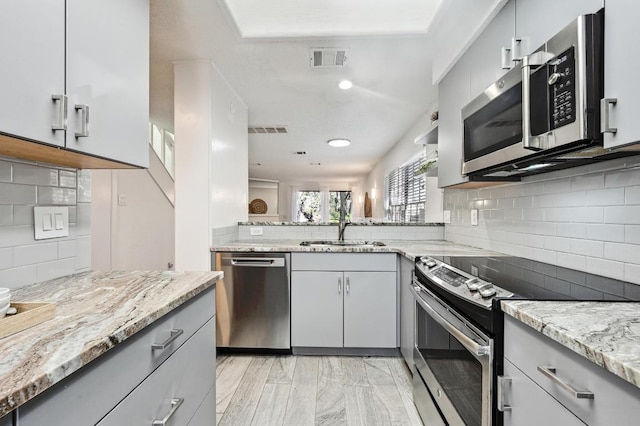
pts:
pixel 253 301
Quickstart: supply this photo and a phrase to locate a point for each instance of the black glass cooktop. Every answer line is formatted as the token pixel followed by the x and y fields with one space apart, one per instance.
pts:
pixel 541 281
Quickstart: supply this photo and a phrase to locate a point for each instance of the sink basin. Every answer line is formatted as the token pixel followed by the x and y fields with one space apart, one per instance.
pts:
pixel 347 243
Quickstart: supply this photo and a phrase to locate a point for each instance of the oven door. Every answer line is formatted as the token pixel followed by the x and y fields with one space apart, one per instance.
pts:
pixel 454 362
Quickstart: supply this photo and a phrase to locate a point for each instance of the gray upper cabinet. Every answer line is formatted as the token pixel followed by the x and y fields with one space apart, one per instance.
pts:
pixel 76 75
pixel 32 46
pixel 539 20
pixel 621 80
pixel 453 94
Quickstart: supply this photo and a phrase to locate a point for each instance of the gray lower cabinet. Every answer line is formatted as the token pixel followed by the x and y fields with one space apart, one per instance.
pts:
pixel 92 392
pixel 407 312
pixel 343 300
pixel 7 420
pixel 176 389
pixel 614 402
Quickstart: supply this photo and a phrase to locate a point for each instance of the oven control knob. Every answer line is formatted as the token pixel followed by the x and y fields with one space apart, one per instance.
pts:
pixel 430 263
pixel 487 290
pixel 473 284
pixel 553 78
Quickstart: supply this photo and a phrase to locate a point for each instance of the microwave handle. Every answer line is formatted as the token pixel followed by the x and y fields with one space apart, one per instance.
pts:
pixel 528 62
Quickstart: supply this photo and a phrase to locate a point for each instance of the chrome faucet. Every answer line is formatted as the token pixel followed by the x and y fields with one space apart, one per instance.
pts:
pixel 342 223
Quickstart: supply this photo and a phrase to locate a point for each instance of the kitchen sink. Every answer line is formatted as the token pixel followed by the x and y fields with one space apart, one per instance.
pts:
pixel 347 243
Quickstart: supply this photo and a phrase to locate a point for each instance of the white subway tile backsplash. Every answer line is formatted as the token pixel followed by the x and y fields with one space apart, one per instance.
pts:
pixel 609 268
pixel 605 197
pixel 632 234
pixel 560 200
pixel 18 277
pixel 572 230
pixel 6 214
pixel 34 175
pixel 83 257
pixel 56 269
pixel 68 179
pixel 629 215
pixel 557 186
pixel 625 177
pixel 5 171
pixel 573 261
pixel 67 249
pixel 632 274
pixel 17 194
pixel 56 196
pixel 587 247
pixel 632 195
pixel 622 252
pixel 35 253
pixel 605 232
pixel 6 256
pixel 22 214
pixel 559 244
pixel 590 181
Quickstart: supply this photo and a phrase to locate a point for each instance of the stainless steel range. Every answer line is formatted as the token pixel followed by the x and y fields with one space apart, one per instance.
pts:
pixel 459 327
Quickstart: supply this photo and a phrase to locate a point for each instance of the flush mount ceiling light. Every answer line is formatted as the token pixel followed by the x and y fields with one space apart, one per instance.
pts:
pixel 339 143
pixel 345 85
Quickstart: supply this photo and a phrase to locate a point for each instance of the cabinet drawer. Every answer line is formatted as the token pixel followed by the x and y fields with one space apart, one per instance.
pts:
pixel 615 400
pixel 118 371
pixel 343 261
pixel 206 413
pixel 188 374
pixel 530 405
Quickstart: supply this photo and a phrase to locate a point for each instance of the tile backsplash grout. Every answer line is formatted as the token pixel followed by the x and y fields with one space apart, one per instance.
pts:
pixel 23 185
pixel 586 218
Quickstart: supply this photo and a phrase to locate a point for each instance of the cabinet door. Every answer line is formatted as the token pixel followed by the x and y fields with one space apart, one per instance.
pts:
pixel 407 312
pixel 539 20
pixel 530 405
pixel 188 374
pixel 206 413
pixel 316 308
pixel 453 94
pixel 7 420
pixel 485 54
pixel 32 46
pixel 370 300
pixel 620 75
pixel 108 70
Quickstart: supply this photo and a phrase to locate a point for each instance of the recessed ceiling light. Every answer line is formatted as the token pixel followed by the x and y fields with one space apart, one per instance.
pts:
pixel 339 143
pixel 345 84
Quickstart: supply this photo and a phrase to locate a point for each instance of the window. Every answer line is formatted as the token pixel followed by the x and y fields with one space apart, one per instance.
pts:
pixel 404 192
pixel 317 206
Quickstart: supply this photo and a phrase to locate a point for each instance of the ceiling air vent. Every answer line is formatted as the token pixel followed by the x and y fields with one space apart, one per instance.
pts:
pixel 268 129
pixel 327 57
pixel 299 152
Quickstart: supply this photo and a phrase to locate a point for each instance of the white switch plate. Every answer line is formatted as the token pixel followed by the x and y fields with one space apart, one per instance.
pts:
pixel 474 217
pixel 256 231
pixel 446 216
pixel 55 219
pixel 122 200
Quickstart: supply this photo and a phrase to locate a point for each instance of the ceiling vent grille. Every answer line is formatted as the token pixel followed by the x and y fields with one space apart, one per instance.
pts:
pixel 268 129
pixel 327 57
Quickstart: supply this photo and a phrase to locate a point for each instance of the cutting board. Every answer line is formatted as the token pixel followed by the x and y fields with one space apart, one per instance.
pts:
pixel 367 205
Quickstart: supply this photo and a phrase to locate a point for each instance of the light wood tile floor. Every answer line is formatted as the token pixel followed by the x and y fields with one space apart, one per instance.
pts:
pixel 313 390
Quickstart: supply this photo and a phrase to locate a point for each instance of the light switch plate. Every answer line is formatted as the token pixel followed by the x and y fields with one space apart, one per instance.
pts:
pixel 50 222
pixel 256 231
pixel 474 217
pixel 446 216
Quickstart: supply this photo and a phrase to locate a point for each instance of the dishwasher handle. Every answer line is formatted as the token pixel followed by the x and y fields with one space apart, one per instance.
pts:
pixel 254 262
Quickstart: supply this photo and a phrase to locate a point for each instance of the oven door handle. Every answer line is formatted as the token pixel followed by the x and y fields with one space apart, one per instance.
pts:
pixel 470 344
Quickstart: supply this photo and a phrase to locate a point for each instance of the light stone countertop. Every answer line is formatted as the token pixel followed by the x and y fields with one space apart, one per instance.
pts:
pixel 409 249
pixel 95 311
pixel 606 333
pixel 362 223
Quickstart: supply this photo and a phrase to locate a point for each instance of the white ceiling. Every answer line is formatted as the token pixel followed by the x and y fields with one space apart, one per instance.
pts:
pixel 389 63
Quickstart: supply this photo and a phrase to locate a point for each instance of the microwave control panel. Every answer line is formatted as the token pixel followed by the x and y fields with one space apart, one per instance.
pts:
pixel 561 73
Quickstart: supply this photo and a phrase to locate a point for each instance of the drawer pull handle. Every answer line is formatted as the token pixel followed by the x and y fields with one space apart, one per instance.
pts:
pixel 550 372
pixel 175 404
pixel 502 383
pixel 162 346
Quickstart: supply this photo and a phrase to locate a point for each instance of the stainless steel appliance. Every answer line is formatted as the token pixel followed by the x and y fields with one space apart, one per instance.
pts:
pixel 544 114
pixel 459 341
pixel 253 301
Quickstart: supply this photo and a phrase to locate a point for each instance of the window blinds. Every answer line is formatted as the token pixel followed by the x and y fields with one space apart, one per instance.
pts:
pixel 405 193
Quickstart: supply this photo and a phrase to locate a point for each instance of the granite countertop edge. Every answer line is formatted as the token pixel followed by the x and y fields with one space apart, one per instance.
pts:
pixel 605 333
pixel 408 249
pixel 107 324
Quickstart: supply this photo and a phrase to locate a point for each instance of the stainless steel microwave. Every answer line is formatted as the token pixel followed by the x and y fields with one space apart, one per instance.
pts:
pixel 544 110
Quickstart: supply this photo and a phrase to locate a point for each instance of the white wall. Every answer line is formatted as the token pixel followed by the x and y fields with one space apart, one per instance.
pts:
pixel 586 218
pixel 211 173
pixel 140 234
pixel 23 185
pixel 399 154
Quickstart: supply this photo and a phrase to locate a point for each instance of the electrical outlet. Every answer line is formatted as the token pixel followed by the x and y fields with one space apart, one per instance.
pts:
pixel 474 217
pixel 446 216
pixel 256 231
pixel 122 200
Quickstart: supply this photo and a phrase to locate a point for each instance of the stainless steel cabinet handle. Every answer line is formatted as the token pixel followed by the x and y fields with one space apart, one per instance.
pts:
pixel 348 286
pixel 604 115
pixel 84 120
pixel 528 64
pixel 175 404
pixel 61 122
pixel 175 333
pixel 550 372
pixel 502 382
pixel 505 55
pixel 261 262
